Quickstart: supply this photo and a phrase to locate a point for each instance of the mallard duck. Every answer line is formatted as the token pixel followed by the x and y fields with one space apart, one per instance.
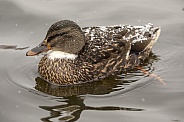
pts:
pixel 77 55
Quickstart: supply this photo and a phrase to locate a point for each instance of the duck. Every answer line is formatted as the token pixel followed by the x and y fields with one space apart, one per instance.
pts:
pixel 74 55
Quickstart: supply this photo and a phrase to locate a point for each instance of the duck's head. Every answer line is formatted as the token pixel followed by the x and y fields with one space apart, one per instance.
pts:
pixel 63 36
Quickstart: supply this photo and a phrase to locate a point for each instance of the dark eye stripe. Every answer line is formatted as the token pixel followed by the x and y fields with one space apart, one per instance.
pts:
pixel 56 35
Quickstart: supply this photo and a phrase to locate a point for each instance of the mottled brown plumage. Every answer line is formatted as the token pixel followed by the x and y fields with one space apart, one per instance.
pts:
pixel 99 51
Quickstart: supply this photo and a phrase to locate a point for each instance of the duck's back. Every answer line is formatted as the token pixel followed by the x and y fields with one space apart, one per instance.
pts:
pixel 115 48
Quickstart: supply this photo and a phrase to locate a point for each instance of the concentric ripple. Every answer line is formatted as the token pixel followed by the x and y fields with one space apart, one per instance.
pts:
pixel 24 74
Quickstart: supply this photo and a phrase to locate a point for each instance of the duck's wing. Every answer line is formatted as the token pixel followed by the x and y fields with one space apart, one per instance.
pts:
pixel 106 49
pixel 103 43
pixel 112 49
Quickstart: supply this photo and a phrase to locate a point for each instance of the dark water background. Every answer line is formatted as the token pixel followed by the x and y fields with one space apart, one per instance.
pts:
pixel 134 97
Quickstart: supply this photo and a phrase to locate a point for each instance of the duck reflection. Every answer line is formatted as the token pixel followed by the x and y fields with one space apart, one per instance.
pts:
pixel 96 88
pixel 72 110
pixel 74 104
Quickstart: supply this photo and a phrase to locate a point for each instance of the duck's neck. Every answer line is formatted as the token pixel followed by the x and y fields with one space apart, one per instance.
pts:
pixel 61 55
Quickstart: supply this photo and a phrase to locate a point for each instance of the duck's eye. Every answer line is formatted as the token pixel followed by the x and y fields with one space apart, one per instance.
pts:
pixel 42 44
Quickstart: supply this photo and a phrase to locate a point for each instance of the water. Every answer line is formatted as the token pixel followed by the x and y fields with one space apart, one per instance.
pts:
pixel 134 97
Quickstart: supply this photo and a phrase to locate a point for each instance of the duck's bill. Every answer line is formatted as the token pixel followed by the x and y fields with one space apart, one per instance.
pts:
pixel 37 50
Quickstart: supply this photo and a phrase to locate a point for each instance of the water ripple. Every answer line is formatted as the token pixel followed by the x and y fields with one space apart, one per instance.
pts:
pixel 24 75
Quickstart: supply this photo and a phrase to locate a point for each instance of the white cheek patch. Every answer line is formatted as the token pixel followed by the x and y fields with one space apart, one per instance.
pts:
pixel 61 55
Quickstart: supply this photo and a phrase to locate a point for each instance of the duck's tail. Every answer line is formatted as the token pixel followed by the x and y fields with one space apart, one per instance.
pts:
pixel 156 33
pixel 140 49
pixel 146 51
pixel 144 37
